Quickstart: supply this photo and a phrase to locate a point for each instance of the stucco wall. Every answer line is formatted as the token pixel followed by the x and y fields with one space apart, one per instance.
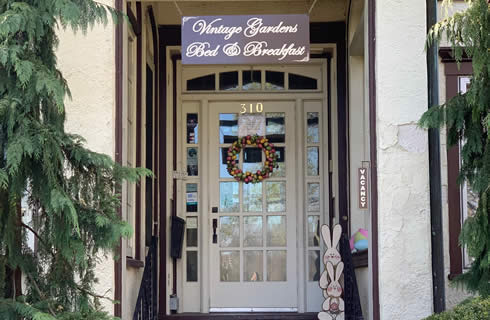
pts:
pixel 87 62
pixel 403 168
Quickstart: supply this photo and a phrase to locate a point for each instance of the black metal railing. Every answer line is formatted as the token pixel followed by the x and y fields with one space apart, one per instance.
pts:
pixel 352 302
pixel 146 304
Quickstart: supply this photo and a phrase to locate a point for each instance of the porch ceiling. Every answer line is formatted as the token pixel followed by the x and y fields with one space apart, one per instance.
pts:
pixel 169 11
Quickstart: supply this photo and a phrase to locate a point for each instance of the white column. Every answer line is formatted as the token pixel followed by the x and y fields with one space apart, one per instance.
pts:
pixel 405 281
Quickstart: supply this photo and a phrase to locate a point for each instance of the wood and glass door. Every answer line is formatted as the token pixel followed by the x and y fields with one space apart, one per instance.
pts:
pixel 253 235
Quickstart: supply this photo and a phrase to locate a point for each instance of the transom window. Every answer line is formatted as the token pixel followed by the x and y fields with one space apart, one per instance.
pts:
pixel 252 80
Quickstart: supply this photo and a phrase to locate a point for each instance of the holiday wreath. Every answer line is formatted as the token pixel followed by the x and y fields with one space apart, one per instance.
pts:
pixel 269 164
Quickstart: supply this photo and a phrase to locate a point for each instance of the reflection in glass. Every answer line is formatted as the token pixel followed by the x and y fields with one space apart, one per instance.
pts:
pixel 191 268
pixel 253 262
pixel 228 127
pixel 191 198
pixel 251 80
pixel 192 162
pixel 280 171
pixel 313 231
pixel 252 197
pixel 276 231
pixel 228 80
pixel 223 166
pixel 313 130
pixel 313 265
pixel 275 129
pixel 274 80
pixel 313 197
pixel 252 159
pixel 191 233
pixel 229 266
pixel 276 265
pixel 276 196
pixel 229 231
pixel 312 161
pixel 229 200
pixel 252 231
pixel 192 128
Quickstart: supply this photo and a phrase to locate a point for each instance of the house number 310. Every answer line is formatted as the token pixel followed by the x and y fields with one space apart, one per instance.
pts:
pixel 251 108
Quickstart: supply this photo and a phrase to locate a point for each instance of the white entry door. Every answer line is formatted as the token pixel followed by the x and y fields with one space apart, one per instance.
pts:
pixel 253 236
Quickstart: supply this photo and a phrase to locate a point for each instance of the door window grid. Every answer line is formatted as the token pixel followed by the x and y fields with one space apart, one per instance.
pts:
pixel 248 257
pixel 190 202
pixel 314 190
pixel 130 136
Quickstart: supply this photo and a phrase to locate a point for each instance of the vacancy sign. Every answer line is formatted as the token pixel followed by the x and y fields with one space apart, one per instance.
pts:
pixel 251 39
pixel 363 188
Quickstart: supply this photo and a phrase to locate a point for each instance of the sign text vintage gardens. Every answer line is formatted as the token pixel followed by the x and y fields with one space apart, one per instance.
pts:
pixel 256 39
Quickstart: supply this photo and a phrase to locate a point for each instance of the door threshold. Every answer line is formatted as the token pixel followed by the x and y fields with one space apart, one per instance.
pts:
pixel 244 316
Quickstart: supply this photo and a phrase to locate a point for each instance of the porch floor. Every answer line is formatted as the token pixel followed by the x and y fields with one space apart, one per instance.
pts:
pixel 244 316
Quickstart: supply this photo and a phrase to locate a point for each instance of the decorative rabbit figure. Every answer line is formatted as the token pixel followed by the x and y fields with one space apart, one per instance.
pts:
pixel 333 306
pixel 332 255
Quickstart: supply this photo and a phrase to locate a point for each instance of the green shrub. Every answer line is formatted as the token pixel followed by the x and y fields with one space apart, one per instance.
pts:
pixel 472 309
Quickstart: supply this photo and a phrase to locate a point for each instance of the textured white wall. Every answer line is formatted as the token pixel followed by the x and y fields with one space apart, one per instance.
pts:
pixel 403 166
pixel 87 62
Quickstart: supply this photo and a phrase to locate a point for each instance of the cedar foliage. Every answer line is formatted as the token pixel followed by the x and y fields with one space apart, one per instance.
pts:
pixel 467 119
pixel 71 190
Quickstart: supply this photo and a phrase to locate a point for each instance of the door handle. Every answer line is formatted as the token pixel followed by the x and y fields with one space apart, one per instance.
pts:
pixel 215 226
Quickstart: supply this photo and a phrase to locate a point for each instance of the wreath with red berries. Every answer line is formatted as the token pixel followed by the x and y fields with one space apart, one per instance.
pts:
pixel 251 177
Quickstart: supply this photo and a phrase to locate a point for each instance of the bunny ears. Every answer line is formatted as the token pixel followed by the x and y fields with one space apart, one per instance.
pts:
pixel 331 242
pixel 338 271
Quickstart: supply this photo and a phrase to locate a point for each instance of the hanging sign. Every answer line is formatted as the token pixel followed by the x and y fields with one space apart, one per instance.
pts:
pixel 251 39
pixel 363 188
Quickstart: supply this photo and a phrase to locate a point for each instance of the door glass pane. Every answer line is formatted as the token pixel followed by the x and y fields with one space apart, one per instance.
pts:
pixel 192 128
pixel 314 197
pixel 276 196
pixel 312 165
pixel 229 231
pixel 252 159
pixel 252 231
pixel 280 171
pixel 297 82
pixel 253 262
pixel 202 83
pixel 223 165
pixel 274 80
pixel 313 265
pixel 228 127
pixel 192 162
pixel 276 231
pixel 191 198
pixel 228 80
pixel 252 197
pixel 312 131
pixel 276 265
pixel 191 266
pixel 229 200
pixel 313 231
pixel 275 127
pixel 229 266
pixel 191 233
pixel 252 80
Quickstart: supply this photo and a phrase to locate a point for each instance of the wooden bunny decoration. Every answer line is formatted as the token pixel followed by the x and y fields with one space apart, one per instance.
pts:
pixel 333 306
